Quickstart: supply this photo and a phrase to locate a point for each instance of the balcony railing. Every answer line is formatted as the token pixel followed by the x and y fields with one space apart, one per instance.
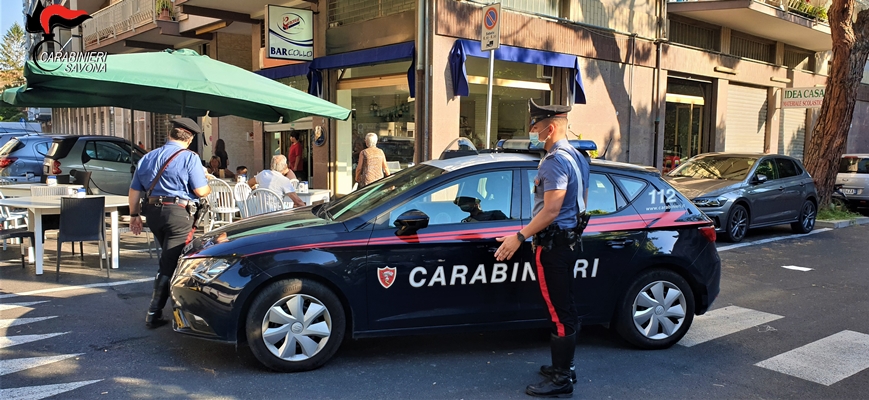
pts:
pixel 116 19
pixel 800 7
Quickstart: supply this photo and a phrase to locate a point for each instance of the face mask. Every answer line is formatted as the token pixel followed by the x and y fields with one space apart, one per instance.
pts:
pixel 535 138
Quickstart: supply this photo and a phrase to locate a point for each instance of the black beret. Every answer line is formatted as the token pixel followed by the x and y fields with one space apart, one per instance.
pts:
pixel 542 112
pixel 188 124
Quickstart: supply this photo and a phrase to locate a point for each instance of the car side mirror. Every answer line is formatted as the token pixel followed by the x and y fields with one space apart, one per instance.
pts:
pixel 759 178
pixel 410 221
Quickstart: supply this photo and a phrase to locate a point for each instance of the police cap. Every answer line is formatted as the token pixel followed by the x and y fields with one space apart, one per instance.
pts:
pixel 539 113
pixel 188 124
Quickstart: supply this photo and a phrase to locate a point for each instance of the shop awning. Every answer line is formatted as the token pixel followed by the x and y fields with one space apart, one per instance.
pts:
pixel 394 52
pixel 286 71
pixel 463 49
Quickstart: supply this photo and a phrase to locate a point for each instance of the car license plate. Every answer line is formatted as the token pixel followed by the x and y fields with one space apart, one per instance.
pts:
pixel 849 191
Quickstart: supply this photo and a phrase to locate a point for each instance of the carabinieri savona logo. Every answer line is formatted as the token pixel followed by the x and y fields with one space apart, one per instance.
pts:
pixel 43 21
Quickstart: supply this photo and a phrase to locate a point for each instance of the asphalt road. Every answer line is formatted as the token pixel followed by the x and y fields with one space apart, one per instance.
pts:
pixel 773 332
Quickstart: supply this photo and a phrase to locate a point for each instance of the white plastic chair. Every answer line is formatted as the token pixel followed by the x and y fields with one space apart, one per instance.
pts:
pixel 222 200
pixel 42 191
pixel 11 218
pixel 242 192
pixel 263 201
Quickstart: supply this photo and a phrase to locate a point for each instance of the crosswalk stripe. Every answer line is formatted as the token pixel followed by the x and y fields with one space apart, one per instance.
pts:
pixel 9 341
pixel 825 361
pixel 5 323
pixel 76 287
pixel 20 364
pixel 722 322
pixel 41 392
pixel 9 306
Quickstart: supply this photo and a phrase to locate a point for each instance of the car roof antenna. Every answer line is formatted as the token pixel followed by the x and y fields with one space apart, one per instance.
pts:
pixel 602 156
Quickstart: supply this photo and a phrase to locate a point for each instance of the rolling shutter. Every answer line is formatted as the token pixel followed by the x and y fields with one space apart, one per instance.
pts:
pixel 746 119
pixel 793 132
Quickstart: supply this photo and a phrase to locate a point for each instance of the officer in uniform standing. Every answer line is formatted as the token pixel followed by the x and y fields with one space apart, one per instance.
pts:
pixel 167 200
pixel 559 218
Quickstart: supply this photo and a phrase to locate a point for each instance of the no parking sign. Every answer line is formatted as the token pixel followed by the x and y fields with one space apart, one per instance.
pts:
pixel 490 39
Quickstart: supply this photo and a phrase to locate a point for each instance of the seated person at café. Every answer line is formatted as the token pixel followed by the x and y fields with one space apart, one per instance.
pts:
pixel 471 205
pixel 274 180
pixel 241 170
pixel 214 169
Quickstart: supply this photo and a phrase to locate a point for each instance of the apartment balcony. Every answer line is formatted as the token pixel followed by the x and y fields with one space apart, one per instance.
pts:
pixel 795 22
pixel 134 25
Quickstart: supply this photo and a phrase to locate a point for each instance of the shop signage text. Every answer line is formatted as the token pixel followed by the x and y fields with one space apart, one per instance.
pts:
pixel 291 33
pixel 809 97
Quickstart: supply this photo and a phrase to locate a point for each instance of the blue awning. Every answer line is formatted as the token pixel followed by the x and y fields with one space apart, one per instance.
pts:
pixel 463 49
pixel 285 71
pixel 395 52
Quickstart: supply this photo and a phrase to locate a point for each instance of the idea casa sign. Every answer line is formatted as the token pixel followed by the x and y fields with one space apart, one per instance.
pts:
pixel 809 97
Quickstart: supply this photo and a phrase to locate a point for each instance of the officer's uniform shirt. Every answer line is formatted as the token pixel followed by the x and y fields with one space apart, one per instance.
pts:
pixel 556 173
pixel 181 177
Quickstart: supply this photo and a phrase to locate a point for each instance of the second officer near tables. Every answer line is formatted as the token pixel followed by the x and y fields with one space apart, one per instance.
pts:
pixel 168 181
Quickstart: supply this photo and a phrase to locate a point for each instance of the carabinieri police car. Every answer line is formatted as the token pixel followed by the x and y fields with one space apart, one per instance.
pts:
pixel 414 253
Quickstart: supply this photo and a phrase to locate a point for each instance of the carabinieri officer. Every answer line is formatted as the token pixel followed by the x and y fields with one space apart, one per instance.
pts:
pixel 167 203
pixel 559 218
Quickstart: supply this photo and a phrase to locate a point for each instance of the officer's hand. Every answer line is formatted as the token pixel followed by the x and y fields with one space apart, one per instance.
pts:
pixel 509 245
pixel 136 225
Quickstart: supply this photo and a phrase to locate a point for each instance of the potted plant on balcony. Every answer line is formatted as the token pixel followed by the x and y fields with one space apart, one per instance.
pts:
pixel 164 10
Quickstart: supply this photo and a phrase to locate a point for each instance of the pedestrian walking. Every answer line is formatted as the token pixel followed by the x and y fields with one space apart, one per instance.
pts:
pixel 294 156
pixel 372 162
pixel 558 221
pixel 165 187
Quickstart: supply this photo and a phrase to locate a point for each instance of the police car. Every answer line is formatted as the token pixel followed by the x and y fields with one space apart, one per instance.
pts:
pixel 414 253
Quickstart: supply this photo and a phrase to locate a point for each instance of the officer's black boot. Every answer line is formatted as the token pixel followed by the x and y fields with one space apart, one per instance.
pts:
pixel 546 370
pixel 558 383
pixel 154 318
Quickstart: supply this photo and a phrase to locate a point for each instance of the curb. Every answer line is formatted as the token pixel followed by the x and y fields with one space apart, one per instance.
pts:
pixel 843 223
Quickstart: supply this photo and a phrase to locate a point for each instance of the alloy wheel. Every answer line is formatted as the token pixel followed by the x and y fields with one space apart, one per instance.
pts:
pixel 296 327
pixel 738 223
pixel 659 310
pixel 809 214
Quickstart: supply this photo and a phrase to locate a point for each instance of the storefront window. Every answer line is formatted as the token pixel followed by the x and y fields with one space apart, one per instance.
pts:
pixel 684 122
pixel 514 84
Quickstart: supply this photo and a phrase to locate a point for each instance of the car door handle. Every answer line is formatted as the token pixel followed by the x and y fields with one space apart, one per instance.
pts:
pixel 619 243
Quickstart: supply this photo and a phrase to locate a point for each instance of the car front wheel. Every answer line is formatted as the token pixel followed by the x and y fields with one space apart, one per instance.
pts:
pixel 656 311
pixel 737 224
pixel 806 223
pixel 295 325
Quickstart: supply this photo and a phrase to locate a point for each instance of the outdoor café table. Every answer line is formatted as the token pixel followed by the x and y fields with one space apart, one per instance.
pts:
pixel 310 197
pixel 50 205
pixel 23 189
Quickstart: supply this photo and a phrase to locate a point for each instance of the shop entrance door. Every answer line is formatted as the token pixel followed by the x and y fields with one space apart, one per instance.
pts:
pixel 684 136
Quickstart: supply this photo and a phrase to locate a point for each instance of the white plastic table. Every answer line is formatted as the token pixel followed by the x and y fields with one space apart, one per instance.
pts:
pixel 23 189
pixel 50 205
pixel 315 195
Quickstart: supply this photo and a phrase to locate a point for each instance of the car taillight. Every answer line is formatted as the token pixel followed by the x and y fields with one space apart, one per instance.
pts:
pixel 7 161
pixel 55 168
pixel 709 233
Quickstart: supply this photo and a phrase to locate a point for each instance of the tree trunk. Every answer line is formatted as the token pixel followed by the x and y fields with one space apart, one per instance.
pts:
pixel 830 135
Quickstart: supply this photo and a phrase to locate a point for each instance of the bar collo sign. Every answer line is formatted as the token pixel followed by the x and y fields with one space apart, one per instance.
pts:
pixel 808 97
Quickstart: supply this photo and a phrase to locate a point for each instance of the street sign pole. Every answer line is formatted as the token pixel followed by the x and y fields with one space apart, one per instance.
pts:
pixel 490 40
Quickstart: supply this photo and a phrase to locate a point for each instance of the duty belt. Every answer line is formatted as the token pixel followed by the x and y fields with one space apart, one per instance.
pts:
pixel 169 200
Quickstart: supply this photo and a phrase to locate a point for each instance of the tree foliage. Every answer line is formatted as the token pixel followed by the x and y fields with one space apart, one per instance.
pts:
pixel 850 35
pixel 12 57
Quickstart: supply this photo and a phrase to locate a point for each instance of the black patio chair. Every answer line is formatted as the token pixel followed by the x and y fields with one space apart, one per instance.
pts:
pixel 83 220
pixel 81 178
pixel 18 233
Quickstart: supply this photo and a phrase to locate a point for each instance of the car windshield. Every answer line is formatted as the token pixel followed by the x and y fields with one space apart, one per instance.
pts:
pixel 857 165
pixel 380 192
pixel 715 167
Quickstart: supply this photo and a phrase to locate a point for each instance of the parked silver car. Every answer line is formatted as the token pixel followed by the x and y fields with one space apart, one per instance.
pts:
pixel 110 160
pixel 854 180
pixel 744 191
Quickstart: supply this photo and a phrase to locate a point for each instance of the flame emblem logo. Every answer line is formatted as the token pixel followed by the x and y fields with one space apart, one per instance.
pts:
pixel 45 19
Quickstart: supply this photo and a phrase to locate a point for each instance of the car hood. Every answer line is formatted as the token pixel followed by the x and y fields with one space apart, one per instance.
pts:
pixel 694 187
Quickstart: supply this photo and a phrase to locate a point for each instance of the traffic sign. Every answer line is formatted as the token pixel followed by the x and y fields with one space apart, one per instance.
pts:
pixel 490 38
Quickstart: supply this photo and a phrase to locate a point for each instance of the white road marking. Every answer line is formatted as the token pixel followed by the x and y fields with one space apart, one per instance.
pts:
pixel 9 306
pixel 41 392
pixel 825 361
pixel 9 341
pixel 64 288
pixel 796 268
pixel 775 239
pixel 5 323
pixel 20 364
pixel 722 322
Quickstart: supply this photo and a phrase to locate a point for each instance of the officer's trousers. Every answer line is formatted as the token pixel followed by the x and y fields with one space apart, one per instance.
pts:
pixel 555 277
pixel 172 226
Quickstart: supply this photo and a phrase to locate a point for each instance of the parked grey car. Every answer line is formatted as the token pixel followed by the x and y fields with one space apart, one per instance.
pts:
pixel 744 191
pixel 21 157
pixel 108 158
pixel 854 180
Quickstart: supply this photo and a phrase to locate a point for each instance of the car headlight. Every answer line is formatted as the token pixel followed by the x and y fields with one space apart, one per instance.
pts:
pixel 710 202
pixel 204 269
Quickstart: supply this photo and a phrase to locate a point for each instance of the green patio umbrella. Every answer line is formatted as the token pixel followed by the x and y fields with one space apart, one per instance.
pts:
pixel 171 82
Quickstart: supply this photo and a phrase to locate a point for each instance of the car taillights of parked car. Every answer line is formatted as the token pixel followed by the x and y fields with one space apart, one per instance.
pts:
pixel 709 233
pixel 55 168
pixel 7 161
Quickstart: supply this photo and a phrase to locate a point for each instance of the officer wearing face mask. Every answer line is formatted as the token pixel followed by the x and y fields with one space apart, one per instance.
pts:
pixel 559 218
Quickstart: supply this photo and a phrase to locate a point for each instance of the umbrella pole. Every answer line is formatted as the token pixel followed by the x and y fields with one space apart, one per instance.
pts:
pixel 132 140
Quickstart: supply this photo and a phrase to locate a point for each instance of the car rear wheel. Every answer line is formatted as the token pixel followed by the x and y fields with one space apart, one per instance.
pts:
pixel 737 224
pixel 656 311
pixel 295 325
pixel 806 223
